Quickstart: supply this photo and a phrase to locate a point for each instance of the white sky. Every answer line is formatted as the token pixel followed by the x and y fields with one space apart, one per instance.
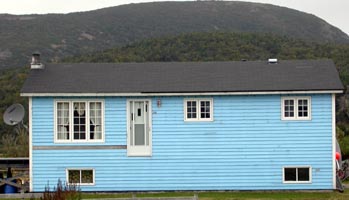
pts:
pixel 336 12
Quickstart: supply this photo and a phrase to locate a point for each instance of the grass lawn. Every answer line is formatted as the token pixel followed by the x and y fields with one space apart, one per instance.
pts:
pixel 236 195
pixel 287 195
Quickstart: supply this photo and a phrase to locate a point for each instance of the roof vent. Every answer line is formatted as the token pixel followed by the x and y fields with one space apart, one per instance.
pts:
pixel 272 60
pixel 36 63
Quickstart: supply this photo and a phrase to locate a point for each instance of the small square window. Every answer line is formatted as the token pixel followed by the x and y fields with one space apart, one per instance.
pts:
pixel 295 108
pixel 198 110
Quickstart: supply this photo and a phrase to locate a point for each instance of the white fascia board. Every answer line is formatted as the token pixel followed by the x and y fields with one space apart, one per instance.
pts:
pixel 178 94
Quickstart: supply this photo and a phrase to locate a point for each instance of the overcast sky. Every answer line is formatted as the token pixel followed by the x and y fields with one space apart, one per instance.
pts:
pixel 336 12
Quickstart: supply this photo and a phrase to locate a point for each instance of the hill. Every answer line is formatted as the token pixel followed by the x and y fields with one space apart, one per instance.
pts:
pixel 61 35
pixel 220 46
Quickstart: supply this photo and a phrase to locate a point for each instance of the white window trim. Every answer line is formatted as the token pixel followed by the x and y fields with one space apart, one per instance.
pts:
pixel 295 99
pixel 81 184
pixel 297 182
pixel 198 110
pixel 71 118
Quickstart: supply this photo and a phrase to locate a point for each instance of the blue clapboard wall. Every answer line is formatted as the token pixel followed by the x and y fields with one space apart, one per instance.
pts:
pixel 243 148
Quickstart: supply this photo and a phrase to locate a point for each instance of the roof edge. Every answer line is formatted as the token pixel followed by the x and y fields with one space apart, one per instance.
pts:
pixel 24 94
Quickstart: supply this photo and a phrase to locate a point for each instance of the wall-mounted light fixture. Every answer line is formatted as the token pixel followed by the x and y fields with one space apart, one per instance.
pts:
pixel 158 103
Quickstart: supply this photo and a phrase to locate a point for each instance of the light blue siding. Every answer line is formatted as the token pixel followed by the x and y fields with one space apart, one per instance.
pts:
pixel 243 148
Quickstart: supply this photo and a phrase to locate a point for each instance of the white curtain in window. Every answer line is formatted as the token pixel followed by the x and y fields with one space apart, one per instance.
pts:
pixel 63 120
pixel 95 120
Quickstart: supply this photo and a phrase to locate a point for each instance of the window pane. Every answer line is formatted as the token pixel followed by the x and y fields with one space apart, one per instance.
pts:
pixel 288 108
pixel 302 108
pixel 62 120
pixel 79 120
pixel 290 174
pixel 98 133
pixel 86 176
pixel 205 109
pixel 191 109
pixel 74 176
pixel 59 120
pixel 95 121
pixel 300 114
pixel 292 114
pixel 303 174
pixel 92 112
pixel 139 134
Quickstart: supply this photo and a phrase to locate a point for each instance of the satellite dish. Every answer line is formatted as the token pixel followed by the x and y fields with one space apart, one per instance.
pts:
pixel 14 114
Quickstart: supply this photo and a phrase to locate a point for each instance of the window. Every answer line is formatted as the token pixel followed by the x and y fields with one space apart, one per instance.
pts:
pixel 296 108
pixel 80 176
pixel 198 110
pixel 79 121
pixel 297 174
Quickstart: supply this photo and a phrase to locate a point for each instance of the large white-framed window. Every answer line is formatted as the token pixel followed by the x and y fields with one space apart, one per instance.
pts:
pixel 76 176
pixel 79 121
pixel 297 174
pixel 200 109
pixel 296 108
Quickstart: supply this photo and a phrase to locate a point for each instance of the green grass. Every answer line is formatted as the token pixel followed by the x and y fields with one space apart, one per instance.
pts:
pixel 268 195
pixel 289 195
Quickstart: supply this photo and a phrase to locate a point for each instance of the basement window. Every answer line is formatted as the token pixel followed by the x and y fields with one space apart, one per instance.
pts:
pixel 300 174
pixel 80 176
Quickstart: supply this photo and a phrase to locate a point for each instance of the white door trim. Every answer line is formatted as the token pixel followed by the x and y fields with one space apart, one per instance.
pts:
pixel 139 150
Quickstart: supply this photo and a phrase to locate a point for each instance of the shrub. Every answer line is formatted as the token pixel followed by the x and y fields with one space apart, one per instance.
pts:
pixel 62 192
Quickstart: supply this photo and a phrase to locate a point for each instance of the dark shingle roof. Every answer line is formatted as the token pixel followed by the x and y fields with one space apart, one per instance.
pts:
pixel 178 77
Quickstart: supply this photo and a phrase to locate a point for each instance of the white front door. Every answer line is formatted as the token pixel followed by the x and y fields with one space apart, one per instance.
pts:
pixel 139 128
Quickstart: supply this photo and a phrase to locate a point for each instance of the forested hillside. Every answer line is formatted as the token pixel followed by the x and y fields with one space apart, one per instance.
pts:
pixel 219 46
pixel 61 35
pixel 208 47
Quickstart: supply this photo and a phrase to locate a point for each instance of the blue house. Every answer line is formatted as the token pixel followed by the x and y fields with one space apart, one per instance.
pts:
pixel 252 125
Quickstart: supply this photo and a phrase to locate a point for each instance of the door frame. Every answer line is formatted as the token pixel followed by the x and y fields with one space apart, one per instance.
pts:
pixel 141 150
